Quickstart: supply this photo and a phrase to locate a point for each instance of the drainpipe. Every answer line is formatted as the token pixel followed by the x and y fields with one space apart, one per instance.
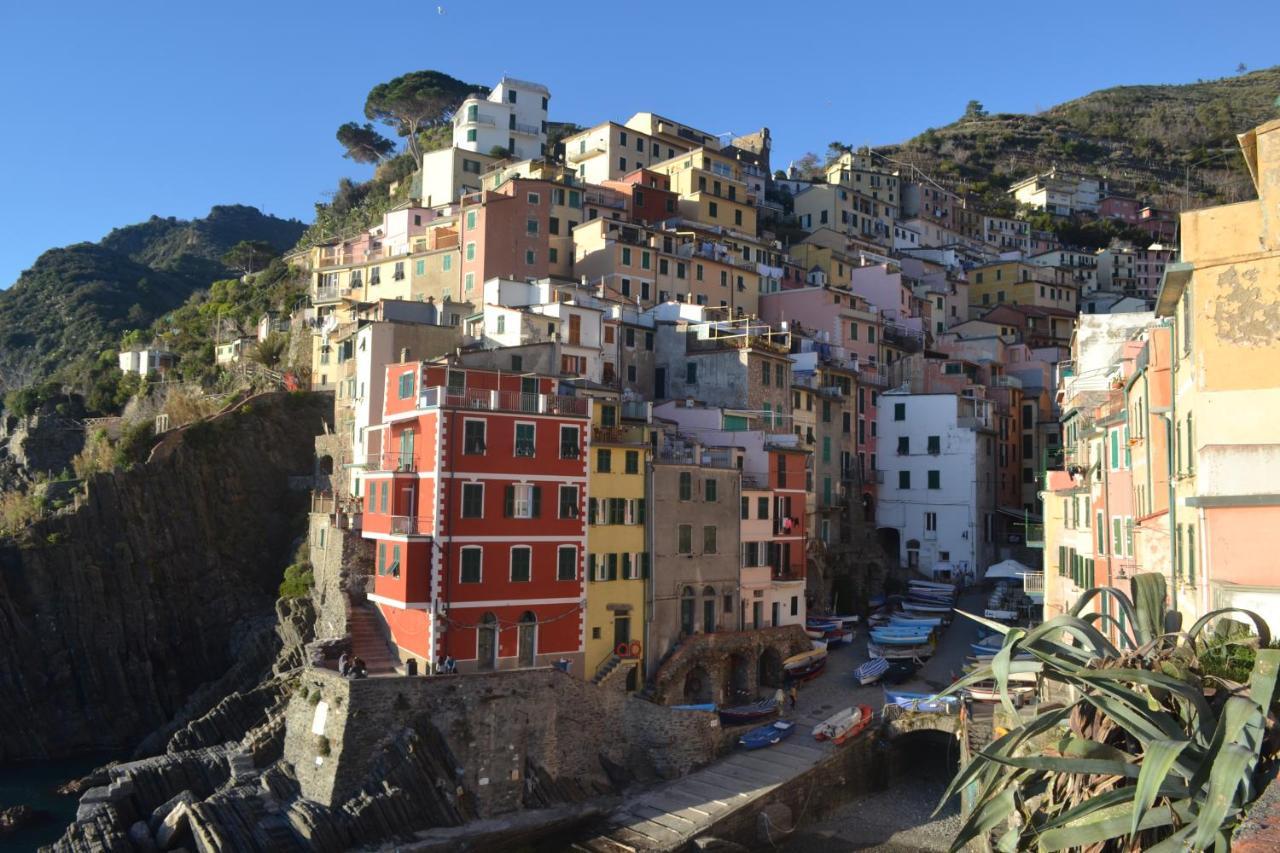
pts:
pixel 1169 415
pixel 650 510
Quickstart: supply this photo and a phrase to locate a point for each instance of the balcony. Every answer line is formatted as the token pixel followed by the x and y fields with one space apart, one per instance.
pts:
pixel 527 129
pixel 1033 583
pixel 391 460
pixel 605 200
pixel 410 525
pixel 486 121
pixel 575 155
pixel 625 434
pixel 503 401
pixel 326 295
pixel 637 410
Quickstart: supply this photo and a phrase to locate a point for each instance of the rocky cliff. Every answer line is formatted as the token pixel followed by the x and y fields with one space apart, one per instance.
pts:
pixel 154 598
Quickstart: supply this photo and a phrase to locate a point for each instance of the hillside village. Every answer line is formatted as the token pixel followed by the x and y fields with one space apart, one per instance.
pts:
pixel 632 425
pixel 711 429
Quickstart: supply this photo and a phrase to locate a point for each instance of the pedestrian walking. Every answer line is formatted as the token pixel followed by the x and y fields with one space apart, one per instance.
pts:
pixel 791 696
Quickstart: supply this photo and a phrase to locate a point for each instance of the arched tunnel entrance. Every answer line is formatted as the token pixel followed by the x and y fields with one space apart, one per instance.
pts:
pixel 922 763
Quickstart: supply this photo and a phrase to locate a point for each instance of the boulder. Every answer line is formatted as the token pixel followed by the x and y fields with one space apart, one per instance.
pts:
pixel 164 809
pixel 16 817
pixel 175 829
pixel 141 839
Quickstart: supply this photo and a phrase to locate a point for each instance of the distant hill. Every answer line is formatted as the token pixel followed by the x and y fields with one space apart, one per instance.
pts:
pixel 76 301
pixel 1142 137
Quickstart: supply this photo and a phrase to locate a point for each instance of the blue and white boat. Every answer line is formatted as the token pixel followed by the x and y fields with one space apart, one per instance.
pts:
pixel 871 671
pixel 925 607
pixel 923 630
pixel 899 620
pixel 920 701
pixel 706 706
pixel 900 639
pixel 767 735
pixel 749 713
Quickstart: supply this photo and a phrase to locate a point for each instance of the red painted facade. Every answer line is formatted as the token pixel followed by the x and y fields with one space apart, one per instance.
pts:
pixel 477 511
pixel 787 480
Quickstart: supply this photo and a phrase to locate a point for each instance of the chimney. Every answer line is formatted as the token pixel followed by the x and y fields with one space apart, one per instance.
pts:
pixel 404 354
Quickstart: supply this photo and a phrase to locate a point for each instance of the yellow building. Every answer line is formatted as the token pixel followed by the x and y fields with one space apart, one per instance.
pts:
pixel 1222 304
pixel 711 190
pixel 617 547
pixel 1021 283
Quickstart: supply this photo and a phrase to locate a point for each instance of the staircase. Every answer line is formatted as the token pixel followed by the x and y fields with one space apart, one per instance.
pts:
pixel 614 667
pixel 979 730
pixel 369 640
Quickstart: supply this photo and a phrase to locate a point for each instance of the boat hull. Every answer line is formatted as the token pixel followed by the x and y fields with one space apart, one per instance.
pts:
pixel 766 736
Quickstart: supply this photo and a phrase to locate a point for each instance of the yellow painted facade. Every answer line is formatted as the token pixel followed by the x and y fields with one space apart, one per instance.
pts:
pixel 711 190
pixel 617 546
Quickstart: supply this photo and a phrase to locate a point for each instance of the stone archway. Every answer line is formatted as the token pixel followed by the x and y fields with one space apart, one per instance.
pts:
pixel 698 688
pixel 740 687
pixel 769 668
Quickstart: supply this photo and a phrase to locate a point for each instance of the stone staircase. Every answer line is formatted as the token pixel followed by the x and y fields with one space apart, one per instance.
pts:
pixel 369 640
pixel 614 668
pixel 979 729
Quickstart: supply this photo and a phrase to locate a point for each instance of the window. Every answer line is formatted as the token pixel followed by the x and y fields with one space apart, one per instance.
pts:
pixel 709 491
pixel 567 563
pixel 709 539
pixel 501 325
pixel 764 373
pixel 534 198
pixel 1191 554
pixel 523 501
pixel 568 502
pixel 899 411
pixel 472 500
pixel 633 462
pixel 691 373
pixel 935 479
pixel 604 461
pixel 684 539
pixel 746 512
pixel 568 442
pixel 521 560
pixel 713 209
pixel 904 445
pixel 935 444
pixel 471 135
pixel 686 486
pixel 931 521
pixel 471 565
pixel 473 437
pixel 406 385
pixel 471 251
pixel 446 263
pixel 904 479
pixel 531 226
pixel 826 448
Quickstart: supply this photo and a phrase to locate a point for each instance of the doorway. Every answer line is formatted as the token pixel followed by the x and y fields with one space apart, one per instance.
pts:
pixel 621 630
pixel 487 642
pixel 528 639
pixel 660 383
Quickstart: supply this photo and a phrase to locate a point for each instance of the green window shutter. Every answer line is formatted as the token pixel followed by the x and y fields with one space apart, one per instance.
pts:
pixel 536 511
pixel 1191 554
pixel 639 510
pixel 644 565
pixel 1115 449
pixel 591 510
pixel 591 567
pixel 626 565
pixel 509 501
pixel 1117 543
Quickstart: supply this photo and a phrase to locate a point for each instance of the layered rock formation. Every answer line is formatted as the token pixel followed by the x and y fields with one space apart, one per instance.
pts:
pixel 153 600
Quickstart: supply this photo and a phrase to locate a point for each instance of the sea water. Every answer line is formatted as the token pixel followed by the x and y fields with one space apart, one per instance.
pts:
pixel 33 784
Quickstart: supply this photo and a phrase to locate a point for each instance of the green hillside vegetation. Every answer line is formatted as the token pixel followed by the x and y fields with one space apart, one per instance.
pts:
pixel 1148 139
pixel 65 316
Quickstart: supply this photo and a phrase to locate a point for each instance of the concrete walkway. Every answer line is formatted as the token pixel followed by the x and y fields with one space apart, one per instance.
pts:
pixel 669 816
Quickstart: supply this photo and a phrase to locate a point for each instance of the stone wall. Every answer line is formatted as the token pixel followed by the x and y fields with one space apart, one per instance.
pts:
pixel 507 741
pixel 746 661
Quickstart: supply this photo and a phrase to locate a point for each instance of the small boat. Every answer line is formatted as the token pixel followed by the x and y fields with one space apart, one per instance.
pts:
pixel 920 607
pixel 904 629
pixel 864 716
pixel 837 724
pixel 946 587
pixel 912 653
pixel 987 692
pixel 706 706
pixel 804 659
pixel 902 620
pixel 981 648
pixel 815 633
pixel 877 600
pixel 809 672
pixel 871 671
pixel 822 624
pixel 837 638
pixel 920 701
pixel 767 735
pixel 846 621
pixel 742 714
pixel 907 640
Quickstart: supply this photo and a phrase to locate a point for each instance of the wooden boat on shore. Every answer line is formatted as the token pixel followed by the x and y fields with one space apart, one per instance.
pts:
pixel 922 607
pixel 886 637
pixel 704 706
pixel 768 735
pixel 920 701
pixel 838 638
pixel 804 659
pixel 912 653
pixel 743 714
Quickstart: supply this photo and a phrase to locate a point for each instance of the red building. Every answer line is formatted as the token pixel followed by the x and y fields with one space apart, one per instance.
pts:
pixel 476 506
pixel 650 199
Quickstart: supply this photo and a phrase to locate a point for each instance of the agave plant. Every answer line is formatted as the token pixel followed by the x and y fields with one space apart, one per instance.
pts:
pixel 1152 754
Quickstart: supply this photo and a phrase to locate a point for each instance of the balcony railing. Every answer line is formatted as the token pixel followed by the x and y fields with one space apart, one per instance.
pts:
pixel 391 460
pixel 409 525
pixel 1033 583
pixel 503 401
pixel 617 435
pixel 530 129
pixel 326 294
pixel 487 121
pixel 605 200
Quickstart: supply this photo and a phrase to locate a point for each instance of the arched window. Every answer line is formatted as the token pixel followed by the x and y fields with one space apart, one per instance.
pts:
pixel 686 611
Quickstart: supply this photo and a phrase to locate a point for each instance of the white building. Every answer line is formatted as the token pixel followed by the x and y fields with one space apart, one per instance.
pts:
pixel 937 456
pixel 147 360
pixel 1081 266
pixel 1058 193
pixel 513 117
pixel 1007 234
pixel 450 173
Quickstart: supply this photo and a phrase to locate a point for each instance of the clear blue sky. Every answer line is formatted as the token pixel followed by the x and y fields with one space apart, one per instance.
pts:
pixel 116 111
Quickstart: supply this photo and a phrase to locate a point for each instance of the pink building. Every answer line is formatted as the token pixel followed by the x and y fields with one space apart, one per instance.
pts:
pixel 1149 268
pixel 882 286
pixel 1119 207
